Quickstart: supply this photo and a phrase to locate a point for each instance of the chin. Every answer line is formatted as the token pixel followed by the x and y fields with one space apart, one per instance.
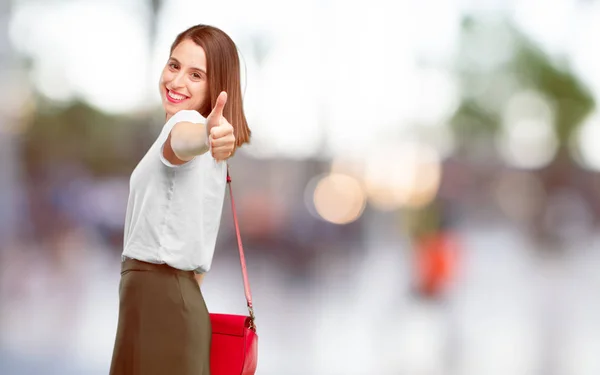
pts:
pixel 169 109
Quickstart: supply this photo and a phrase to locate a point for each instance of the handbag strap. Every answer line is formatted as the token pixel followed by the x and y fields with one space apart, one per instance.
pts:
pixel 241 250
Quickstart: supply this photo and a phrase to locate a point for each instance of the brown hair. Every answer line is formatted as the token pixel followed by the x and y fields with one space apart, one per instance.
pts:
pixel 223 71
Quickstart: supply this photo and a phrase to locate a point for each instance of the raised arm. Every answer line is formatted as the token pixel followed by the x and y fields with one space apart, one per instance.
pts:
pixel 188 139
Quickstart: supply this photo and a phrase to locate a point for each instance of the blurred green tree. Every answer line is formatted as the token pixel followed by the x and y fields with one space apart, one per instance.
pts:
pixel 494 62
pixel 78 133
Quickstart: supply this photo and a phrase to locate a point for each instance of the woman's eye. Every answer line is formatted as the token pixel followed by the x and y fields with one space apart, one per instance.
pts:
pixel 173 66
pixel 196 75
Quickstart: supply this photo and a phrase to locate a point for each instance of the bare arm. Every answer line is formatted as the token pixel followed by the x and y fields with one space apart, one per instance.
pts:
pixel 185 141
pixel 199 278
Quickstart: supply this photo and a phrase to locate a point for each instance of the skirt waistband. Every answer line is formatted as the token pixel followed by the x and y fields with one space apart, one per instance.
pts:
pixel 130 264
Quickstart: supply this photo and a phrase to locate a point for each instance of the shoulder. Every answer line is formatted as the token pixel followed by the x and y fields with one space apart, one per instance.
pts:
pixel 187 115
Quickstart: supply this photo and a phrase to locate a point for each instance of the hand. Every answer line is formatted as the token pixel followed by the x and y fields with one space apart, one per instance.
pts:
pixel 220 131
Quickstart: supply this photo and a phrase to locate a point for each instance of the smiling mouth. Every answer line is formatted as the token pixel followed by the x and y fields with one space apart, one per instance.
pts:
pixel 174 97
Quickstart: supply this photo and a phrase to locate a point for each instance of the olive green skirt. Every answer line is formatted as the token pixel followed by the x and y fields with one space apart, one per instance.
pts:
pixel 164 326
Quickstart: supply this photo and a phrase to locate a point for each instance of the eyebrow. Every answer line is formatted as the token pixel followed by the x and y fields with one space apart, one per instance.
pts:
pixel 193 67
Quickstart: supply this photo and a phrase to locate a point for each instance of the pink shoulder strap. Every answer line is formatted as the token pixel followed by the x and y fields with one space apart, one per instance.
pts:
pixel 241 250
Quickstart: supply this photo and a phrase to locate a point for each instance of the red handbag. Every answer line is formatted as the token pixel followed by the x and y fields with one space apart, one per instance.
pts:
pixel 234 346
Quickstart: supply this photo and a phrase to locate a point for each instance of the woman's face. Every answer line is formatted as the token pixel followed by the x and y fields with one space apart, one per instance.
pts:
pixel 183 83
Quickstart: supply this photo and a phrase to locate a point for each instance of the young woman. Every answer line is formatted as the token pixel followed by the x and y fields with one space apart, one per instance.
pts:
pixel 174 210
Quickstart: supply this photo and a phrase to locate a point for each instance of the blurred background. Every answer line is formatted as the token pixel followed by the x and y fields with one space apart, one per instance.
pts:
pixel 421 196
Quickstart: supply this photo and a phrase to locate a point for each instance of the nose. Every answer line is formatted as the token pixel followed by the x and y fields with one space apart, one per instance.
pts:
pixel 178 80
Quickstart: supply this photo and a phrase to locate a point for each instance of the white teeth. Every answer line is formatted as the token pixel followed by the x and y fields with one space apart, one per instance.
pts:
pixel 175 96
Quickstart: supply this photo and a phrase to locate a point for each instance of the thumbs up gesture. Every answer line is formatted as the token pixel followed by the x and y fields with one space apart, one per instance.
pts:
pixel 220 132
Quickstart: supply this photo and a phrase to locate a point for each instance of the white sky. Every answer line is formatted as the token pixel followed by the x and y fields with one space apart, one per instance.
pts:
pixel 349 65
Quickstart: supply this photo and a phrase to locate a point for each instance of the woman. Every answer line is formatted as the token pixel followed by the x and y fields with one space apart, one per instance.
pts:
pixel 174 210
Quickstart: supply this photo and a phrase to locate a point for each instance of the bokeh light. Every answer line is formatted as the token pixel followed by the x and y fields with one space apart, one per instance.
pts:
pixel 527 138
pixel 584 145
pixel 408 175
pixel 339 199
